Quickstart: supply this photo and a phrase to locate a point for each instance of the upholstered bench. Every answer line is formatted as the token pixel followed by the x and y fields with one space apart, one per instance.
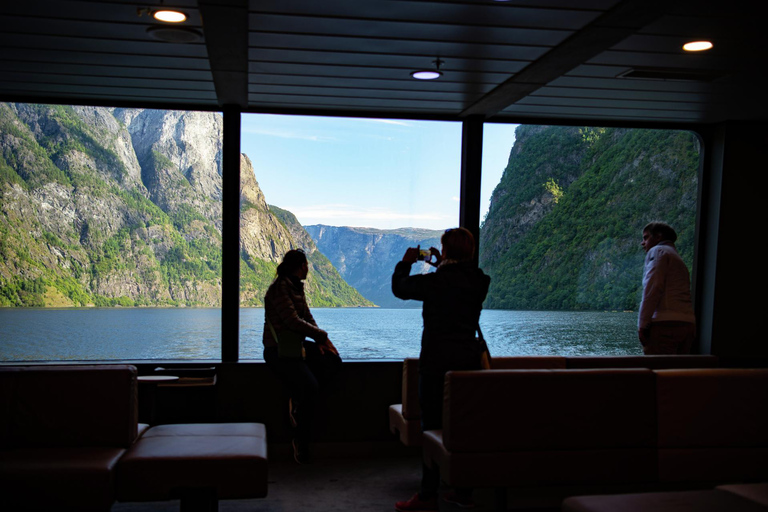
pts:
pixel 725 498
pixel 405 417
pixel 197 463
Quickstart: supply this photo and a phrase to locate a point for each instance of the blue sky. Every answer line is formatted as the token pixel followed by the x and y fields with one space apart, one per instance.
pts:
pixel 381 173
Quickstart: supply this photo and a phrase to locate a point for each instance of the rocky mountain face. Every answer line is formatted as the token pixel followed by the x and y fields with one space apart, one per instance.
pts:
pixel 565 221
pixel 108 207
pixel 366 257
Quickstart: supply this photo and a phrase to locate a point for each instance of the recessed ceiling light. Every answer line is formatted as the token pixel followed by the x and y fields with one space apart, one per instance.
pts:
pixel 426 74
pixel 169 16
pixel 697 46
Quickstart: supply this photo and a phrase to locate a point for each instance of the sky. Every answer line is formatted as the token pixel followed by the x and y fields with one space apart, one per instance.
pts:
pixel 379 173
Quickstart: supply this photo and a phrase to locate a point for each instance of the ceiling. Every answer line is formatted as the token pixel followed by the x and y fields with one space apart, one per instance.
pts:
pixel 515 61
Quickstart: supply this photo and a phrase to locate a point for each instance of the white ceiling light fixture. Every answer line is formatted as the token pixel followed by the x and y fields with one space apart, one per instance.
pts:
pixel 698 46
pixel 169 16
pixel 429 74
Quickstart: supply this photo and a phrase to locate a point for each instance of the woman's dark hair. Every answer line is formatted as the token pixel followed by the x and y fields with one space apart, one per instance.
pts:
pixel 292 261
pixel 458 244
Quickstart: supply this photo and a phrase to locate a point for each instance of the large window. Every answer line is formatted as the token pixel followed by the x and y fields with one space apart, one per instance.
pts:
pixel 111 229
pixel 110 233
pixel 562 227
pixel 354 194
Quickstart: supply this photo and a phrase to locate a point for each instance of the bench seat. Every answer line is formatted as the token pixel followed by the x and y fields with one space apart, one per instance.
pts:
pixel 724 498
pixel 229 460
pixel 405 417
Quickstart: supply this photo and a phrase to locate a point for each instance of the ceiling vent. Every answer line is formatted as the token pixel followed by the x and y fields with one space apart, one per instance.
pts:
pixel 688 75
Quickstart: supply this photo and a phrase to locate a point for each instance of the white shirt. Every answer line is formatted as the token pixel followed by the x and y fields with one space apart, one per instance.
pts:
pixel 666 287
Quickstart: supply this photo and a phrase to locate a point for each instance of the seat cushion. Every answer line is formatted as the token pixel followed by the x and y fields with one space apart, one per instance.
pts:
pixel 79 478
pixel 409 430
pixel 753 492
pixel 534 468
pixel 230 458
pixel 700 501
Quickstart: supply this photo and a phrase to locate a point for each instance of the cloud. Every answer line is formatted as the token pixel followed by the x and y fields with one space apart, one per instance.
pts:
pixel 287 134
pixel 384 121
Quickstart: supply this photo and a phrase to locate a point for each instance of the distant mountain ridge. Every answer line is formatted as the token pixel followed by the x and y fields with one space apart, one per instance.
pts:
pixel 366 257
pixel 108 206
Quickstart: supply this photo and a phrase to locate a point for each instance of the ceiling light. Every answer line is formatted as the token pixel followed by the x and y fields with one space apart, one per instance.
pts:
pixel 426 74
pixel 697 46
pixel 429 74
pixel 169 16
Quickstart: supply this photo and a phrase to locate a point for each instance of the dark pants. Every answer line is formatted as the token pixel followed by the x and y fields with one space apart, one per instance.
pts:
pixel 303 379
pixel 669 338
pixel 431 388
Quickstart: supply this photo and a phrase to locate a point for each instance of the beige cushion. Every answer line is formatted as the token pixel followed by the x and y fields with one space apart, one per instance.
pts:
pixel 230 458
pixel 69 478
pixel 511 410
pixel 753 492
pixel 651 362
pixel 409 431
pixel 699 501
pixel 713 424
pixel 58 406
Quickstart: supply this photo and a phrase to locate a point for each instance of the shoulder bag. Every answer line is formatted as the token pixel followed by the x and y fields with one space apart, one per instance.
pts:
pixel 485 354
pixel 290 344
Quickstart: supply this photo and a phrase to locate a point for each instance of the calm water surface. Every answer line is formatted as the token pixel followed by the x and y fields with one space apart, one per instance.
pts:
pixel 358 333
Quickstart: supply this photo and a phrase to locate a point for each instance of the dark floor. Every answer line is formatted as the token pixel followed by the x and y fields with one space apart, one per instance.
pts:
pixel 371 482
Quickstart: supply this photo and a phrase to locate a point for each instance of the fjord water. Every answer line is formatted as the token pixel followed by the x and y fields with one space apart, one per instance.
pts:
pixel 90 334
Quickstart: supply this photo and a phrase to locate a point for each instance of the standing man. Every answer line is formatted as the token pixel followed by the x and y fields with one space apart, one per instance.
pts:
pixel 666 324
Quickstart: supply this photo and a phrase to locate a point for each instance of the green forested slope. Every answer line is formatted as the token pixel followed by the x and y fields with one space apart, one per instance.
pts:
pixel 563 230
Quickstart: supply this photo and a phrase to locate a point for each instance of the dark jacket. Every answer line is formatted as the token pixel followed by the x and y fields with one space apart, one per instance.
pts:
pixel 453 298
pixel 286 308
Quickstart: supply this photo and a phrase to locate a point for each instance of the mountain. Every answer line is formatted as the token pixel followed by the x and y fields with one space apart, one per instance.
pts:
pixel 366 257
pixel 564 226
pixel 107 206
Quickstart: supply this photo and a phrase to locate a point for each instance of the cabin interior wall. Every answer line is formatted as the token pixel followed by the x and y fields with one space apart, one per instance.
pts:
pixel 731 308
pixel 351 409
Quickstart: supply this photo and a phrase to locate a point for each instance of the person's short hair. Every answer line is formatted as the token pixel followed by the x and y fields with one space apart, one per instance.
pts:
pixel 458 244
pixel 292 261
pixel 662 230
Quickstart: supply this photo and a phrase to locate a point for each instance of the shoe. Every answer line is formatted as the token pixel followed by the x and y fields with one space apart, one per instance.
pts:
pixel 292 413
pixel 416 504
pixel 301 453
pixel 461 501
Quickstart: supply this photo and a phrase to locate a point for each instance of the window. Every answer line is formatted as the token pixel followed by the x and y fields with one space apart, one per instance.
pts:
pixel 560 237
pixel 110 233
pixel 354 194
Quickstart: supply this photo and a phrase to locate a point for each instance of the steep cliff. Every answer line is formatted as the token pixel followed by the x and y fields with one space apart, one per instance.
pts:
pixel 565 221
pixel 366 257
pixel 110 207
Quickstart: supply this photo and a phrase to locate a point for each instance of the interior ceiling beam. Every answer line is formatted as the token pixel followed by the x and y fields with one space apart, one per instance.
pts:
pixel 225 27
pixel 607 30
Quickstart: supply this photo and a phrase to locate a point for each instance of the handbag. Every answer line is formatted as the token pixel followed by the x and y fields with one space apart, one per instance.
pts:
pixel 485 355
pixel 290 344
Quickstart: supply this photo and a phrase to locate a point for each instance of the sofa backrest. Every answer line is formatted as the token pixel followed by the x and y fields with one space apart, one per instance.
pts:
pixel 652 362
pixel 411 410
pixel 410 394
pixel 712 408
pixel 506 410
pixel 64 406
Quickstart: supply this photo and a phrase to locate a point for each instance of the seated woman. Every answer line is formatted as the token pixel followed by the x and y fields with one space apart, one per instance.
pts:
pixel 286 317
